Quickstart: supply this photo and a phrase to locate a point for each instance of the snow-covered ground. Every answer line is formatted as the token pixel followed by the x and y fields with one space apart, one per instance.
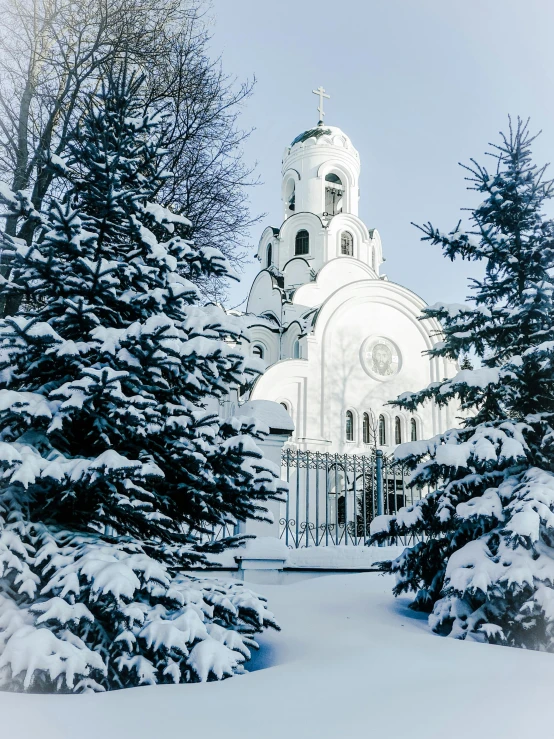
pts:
pixel 329 557
pixel 350 661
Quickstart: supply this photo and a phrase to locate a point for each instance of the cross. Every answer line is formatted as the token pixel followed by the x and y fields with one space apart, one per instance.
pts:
pixel 321 92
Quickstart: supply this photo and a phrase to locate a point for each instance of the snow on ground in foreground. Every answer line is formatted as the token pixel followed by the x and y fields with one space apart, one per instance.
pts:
pixel 350 659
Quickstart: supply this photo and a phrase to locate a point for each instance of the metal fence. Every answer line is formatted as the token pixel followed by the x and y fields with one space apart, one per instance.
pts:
pixel 333 498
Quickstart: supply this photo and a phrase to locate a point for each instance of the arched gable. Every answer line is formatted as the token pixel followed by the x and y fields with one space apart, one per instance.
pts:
pixel 292 333
pixel 351 223
pixel 339 167
pixel 297 271
pixel 268 236
pixel 264 296
pixel 303 219
pixel 332 276
pixel 377 248
pixel 381 291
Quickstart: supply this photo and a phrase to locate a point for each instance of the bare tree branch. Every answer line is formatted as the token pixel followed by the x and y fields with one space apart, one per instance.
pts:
pixel 53 56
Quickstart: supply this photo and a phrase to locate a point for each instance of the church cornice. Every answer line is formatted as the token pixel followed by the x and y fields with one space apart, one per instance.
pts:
pixel 271 329
pixel 302 213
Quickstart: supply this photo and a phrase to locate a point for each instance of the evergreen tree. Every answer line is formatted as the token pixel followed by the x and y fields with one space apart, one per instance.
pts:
pixel 484 565
pixel 112 465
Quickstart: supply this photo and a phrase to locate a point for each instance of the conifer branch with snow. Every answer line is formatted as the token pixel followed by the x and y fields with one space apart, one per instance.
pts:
pixel 484 565
pixel 112 468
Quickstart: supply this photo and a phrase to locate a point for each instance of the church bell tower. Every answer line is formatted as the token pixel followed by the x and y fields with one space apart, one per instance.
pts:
pixel 320 193
pixel 321 170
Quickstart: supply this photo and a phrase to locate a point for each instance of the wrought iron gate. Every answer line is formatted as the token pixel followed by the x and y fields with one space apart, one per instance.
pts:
pixel 333 498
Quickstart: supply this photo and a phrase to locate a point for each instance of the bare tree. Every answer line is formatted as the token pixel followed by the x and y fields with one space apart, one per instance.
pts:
pixel 204 144
pixel 373 428
pixel 53 55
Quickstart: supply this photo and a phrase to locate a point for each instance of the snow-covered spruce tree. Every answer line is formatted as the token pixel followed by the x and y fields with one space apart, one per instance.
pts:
pixel 111 466
pixel 485 567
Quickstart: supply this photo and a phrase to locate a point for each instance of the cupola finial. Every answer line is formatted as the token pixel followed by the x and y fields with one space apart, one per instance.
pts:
pixel 322 94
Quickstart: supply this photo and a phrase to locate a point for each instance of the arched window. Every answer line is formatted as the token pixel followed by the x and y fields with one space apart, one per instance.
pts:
pixel 349 426
pixel 269 255
pixel 258 351
pixel 347 244
pixel 290 195
pixel 333 194
pixel 413 430
pixel 338 486
pixel 382 431
pixel 302 242
pixel 285 406
pixel 296 349
pixel 397 430
pixel 365 428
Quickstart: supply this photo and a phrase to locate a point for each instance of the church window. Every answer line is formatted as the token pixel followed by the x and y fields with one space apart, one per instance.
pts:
pixel 349 426
pixel 333 194
pixel 269 255
pixel 365 428
pixel 337 486
pixel 258 351
pixel 413 430
pixel 382 431
pixel 285 406
pixel 302 242
pixel 296 349
pixel 347 244
pixel 290 195
pixel 397 430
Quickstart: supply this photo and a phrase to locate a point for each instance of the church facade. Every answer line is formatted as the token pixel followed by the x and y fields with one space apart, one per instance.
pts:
pixel 337 338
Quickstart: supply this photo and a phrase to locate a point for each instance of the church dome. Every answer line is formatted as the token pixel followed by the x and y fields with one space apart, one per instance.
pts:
pixel 323 134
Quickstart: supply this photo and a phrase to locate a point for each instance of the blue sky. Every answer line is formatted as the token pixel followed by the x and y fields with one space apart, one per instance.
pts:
pixel 418 85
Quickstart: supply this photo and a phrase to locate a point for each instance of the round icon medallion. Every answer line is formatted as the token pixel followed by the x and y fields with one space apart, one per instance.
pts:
pixel 380 357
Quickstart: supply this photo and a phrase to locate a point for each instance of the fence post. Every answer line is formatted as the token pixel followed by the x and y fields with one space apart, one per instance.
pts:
pixel 379 476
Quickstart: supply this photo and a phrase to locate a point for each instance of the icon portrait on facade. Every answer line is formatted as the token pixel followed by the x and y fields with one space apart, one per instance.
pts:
pixel 380 357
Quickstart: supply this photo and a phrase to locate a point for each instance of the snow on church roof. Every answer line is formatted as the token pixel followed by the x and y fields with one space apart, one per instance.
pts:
pixel 274 415
pixel 322 130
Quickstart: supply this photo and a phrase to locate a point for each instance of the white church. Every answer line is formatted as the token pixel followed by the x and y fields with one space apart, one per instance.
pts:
pixel 337 337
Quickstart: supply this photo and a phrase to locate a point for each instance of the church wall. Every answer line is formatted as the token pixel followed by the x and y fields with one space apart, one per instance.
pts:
pixel 333 376
pixel 313 225
pixel 268 340
pixel 289 390
pixel 346 385
pixel 363 249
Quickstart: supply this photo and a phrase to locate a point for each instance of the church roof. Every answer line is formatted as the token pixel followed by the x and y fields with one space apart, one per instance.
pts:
pixel 272 414
pixel 318 131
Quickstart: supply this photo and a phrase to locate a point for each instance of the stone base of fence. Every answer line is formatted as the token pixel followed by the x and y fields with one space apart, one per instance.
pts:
pixel 268 570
